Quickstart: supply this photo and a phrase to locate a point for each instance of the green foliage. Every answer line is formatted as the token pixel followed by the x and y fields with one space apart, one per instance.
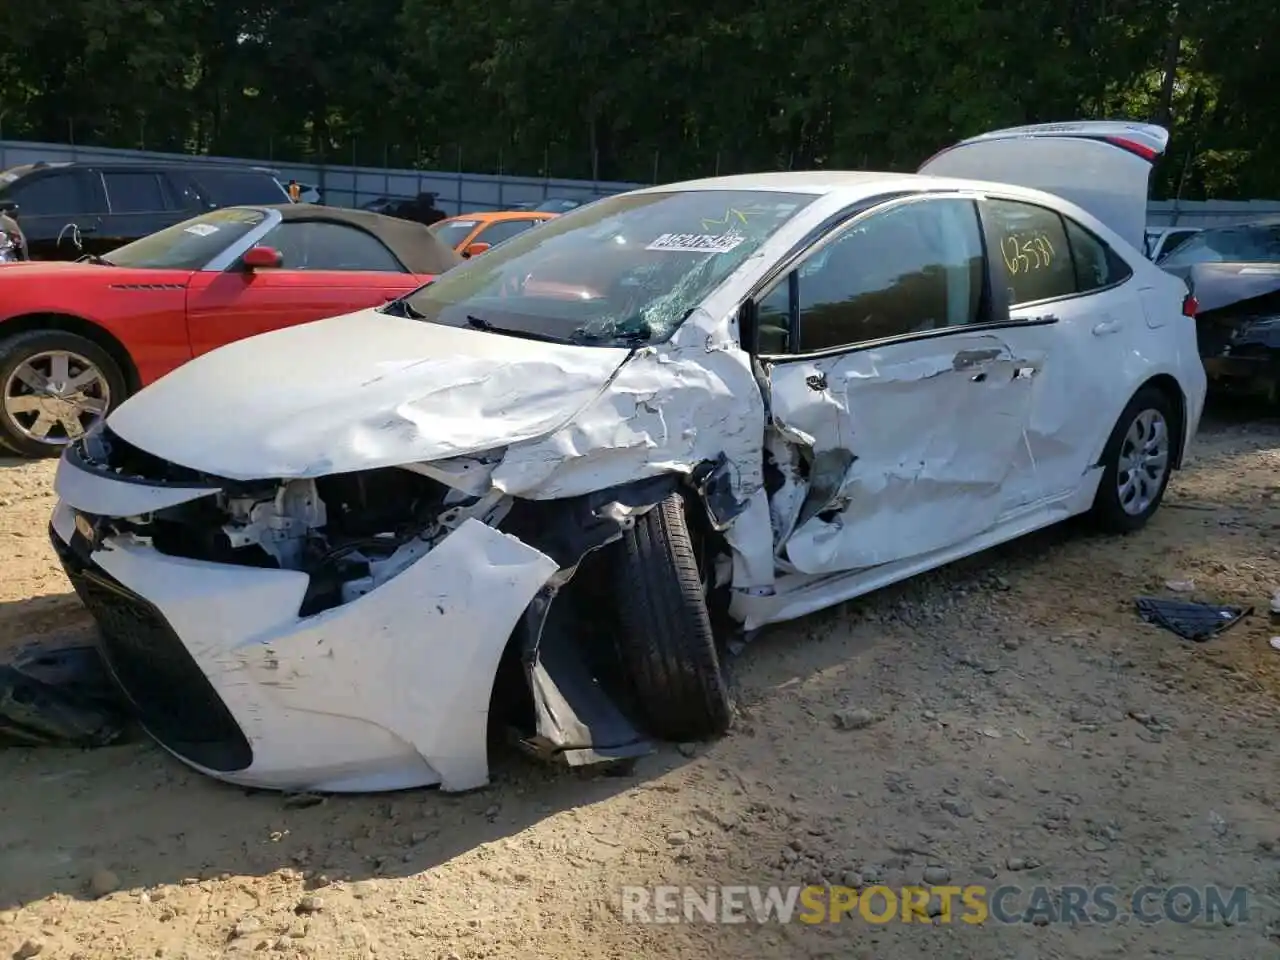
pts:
pixel 626 90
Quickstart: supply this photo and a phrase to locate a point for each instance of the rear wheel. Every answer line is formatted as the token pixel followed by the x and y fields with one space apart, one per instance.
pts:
pixel 667 645
pixel 54 386
pixel 1137 463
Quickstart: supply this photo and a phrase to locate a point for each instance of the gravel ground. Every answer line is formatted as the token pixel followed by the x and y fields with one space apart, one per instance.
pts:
pixel 1005 721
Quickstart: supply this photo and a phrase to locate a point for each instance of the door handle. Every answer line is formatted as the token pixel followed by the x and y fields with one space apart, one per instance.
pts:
pixel 1106 327
pixel 978 377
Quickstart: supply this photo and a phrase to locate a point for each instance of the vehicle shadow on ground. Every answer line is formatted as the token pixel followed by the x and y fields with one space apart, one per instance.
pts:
pixel 65 815
pixel 10 461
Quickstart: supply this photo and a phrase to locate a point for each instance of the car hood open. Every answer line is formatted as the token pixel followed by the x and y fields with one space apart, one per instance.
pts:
pixel 358 392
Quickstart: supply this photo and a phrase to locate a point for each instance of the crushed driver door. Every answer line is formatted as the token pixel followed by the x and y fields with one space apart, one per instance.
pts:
pixel 897 418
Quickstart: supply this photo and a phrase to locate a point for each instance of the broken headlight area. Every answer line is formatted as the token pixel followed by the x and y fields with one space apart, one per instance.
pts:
pixel 349 532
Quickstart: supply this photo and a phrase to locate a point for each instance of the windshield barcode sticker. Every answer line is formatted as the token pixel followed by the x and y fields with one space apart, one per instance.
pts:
pixel 202 229
pixel 697 242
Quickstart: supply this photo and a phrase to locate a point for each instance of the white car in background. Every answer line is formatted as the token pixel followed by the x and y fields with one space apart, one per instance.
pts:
pixel 558 478
pixel 1161 241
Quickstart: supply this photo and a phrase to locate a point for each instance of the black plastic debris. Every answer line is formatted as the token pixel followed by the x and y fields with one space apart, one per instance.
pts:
pixel 58 692
pixel 1189 620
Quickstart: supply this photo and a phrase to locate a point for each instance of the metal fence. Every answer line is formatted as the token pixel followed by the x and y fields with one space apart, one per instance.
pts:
pixel 352 186
pixel 461 192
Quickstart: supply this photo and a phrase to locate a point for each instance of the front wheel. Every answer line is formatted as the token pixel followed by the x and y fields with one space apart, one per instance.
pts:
pixel 667 645
pixel 1137 462
pixel 54 386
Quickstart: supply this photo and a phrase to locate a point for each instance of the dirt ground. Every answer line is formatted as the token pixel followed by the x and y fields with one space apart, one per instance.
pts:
pixel 1008 720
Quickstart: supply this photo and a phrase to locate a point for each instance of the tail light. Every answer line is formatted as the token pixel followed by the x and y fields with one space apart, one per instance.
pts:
pixel 1190 305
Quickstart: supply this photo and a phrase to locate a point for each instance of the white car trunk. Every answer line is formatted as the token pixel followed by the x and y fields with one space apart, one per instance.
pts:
pixel 1101 166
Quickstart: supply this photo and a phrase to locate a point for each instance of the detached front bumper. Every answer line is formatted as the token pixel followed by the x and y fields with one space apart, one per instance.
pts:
pixel 387 692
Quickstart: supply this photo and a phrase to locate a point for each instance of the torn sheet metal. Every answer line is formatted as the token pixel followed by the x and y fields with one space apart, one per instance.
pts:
pixel 387 692
pixel 911 448
pixel 375 391
pixel 665 411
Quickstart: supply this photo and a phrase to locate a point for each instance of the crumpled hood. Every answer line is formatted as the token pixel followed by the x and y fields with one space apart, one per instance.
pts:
pixel 357 392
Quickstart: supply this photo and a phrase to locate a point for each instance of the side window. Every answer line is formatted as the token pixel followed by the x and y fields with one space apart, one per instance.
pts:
pixel 230 188
pixel 773 319
pixel 1032 244
pixel 495 233
pixel 1096 264
pixel 133 191
pixel 316 245
pixel 915 267
pixel 50 195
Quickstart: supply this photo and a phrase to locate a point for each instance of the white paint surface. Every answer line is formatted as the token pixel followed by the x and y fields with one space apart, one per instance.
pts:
pixel 387 692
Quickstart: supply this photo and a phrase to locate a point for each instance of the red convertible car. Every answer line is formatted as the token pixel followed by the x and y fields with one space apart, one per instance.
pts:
pixel 77 338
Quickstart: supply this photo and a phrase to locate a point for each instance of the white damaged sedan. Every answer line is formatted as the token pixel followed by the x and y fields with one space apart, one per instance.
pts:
pixel 540 493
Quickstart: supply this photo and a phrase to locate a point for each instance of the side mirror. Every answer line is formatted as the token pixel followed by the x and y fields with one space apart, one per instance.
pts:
pixel 9 207
pixel 475 249
pixel 263 258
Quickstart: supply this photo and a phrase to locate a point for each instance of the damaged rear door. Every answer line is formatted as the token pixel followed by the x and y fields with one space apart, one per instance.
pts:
pixel 896 416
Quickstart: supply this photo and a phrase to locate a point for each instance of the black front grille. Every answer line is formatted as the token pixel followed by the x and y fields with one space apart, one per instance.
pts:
pixel 169 692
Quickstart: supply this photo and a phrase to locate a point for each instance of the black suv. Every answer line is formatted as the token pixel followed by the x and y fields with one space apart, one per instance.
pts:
pixel 70 209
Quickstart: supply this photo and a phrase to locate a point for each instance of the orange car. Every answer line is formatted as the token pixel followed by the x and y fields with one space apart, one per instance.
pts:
pixel 473 233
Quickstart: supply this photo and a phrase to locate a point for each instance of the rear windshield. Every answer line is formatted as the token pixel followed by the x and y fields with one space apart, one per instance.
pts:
pixel 453 232
pixel 227 188
pixel 1250 243
pixel 189 245
pixel 624 270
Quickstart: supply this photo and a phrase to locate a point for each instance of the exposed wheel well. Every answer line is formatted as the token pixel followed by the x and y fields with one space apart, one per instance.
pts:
pixel 80 327
pixel 1173 390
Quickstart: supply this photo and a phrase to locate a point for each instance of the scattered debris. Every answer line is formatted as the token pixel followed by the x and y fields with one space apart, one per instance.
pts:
pixel 853 719
pixel 309 904
pixel 301 801
pixel 1191 621
pixel 1275 643
pixel 1181 586
pixel 57 692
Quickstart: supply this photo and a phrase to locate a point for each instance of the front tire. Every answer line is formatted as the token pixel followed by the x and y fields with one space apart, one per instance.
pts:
pixel 667 645
pixel 1137 463
pixel 54 386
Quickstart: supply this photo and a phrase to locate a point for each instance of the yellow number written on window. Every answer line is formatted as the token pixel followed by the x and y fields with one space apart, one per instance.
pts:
pixel 1027 252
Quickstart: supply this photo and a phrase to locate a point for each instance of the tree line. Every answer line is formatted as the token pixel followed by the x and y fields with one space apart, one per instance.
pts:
pixel 631 90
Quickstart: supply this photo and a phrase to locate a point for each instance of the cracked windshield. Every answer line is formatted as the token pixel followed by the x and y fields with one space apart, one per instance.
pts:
pixel 622 271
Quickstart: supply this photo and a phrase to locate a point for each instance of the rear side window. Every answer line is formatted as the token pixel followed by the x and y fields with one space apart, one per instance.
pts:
pixel 1097 265
pixel 134 191
pixel 50 195
pixel 229 188
pixel 1032 244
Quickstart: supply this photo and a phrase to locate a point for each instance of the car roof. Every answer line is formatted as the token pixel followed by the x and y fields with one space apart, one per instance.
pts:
pixel 193 164
pixel 852 186
pixel 412 243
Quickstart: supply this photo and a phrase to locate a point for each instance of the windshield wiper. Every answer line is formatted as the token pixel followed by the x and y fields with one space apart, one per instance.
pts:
pixel 623 337
pixel 402 308
pixel 475 323
pixel 94 258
